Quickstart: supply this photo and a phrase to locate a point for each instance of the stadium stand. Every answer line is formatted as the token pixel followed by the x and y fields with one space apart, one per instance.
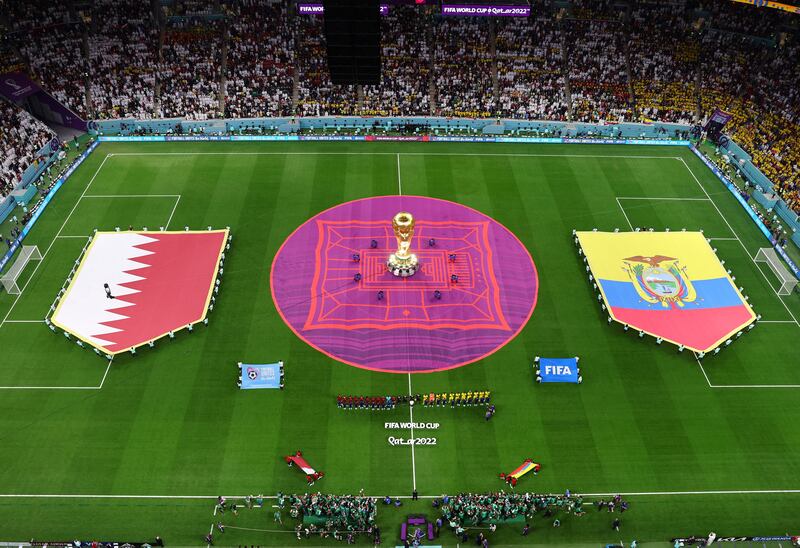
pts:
pixel 464 69
pixel 530 66
pixel 123 54
pixel 316 94
pixel 51 39
pixel 664 63
pixel 189 73
pixel 260 64
pixel 21 136
pixel 581 60
pixel 406 55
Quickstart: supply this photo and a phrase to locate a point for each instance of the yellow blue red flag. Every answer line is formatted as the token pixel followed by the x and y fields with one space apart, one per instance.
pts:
pixel 667 284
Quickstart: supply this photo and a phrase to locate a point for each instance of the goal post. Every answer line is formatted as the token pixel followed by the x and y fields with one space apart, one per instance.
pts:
pixel 787 280
pixel 27 254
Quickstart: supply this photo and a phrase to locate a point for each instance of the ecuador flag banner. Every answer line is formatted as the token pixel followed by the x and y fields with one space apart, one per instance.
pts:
pixel 667 284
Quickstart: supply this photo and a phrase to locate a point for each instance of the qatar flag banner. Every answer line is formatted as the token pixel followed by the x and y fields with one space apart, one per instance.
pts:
pixel 132 288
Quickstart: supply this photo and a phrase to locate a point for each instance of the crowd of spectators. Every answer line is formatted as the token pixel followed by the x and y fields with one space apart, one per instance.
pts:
pixel 21 137
pixel 189 72
pixel 316 94
pixel 52 42
pixel 664 62
pixel 404 89
pixel 597 70
pixel 463 67
pixel 123 53
pixel 530 68
pixel 749 69
pixel 584 60
pixel 260 63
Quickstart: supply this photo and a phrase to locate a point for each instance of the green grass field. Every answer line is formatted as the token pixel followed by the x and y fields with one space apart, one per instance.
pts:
pixel 145 443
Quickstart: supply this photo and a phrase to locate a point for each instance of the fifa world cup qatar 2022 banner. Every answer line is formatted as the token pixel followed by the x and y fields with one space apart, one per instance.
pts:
pixel 478 10
pixel 319 9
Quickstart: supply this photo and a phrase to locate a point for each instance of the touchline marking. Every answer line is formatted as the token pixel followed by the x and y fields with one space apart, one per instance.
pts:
pixel 214 497
pixel 740 241
pixel 68 236
pixel 399 182
pixel 258 530
pixel 512 154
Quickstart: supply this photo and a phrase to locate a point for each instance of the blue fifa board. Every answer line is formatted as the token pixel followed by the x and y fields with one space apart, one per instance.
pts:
pixel 261 375
pixel 558 369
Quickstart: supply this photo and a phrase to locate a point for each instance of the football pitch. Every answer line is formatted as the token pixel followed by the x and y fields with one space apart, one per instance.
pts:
pixel 141 445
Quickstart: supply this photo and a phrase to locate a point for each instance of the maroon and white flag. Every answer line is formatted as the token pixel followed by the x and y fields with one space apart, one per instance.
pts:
pixel 157 282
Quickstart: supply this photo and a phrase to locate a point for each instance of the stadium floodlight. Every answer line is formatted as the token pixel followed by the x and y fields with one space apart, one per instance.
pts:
pixel 787 280
pixel 27 254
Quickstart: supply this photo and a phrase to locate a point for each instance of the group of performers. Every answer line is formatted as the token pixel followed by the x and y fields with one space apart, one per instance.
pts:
pixel 453 399
pixel 370 402
pixel 458 399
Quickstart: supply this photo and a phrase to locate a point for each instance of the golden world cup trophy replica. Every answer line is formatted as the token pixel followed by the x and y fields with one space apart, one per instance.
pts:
pixel 403 263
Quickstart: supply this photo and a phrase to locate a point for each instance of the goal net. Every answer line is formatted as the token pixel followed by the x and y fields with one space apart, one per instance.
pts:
pixel 27 254
pixel 786 278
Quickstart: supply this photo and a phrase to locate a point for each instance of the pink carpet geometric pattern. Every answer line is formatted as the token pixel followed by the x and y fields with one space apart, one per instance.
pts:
pixel 409 329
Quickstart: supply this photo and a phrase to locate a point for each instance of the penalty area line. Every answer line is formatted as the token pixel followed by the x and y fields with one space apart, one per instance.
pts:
pixel 24 321
pixel 177 201
pixel 747 252
pixel 761 386
pixel 131 196
pixel 60 230
pixel 625 214
pixel 100 386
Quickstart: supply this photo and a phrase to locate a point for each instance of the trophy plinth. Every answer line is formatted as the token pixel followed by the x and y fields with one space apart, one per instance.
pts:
pixel 403 263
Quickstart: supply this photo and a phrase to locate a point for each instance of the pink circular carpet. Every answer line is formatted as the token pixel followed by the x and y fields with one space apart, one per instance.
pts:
pixel 409 330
